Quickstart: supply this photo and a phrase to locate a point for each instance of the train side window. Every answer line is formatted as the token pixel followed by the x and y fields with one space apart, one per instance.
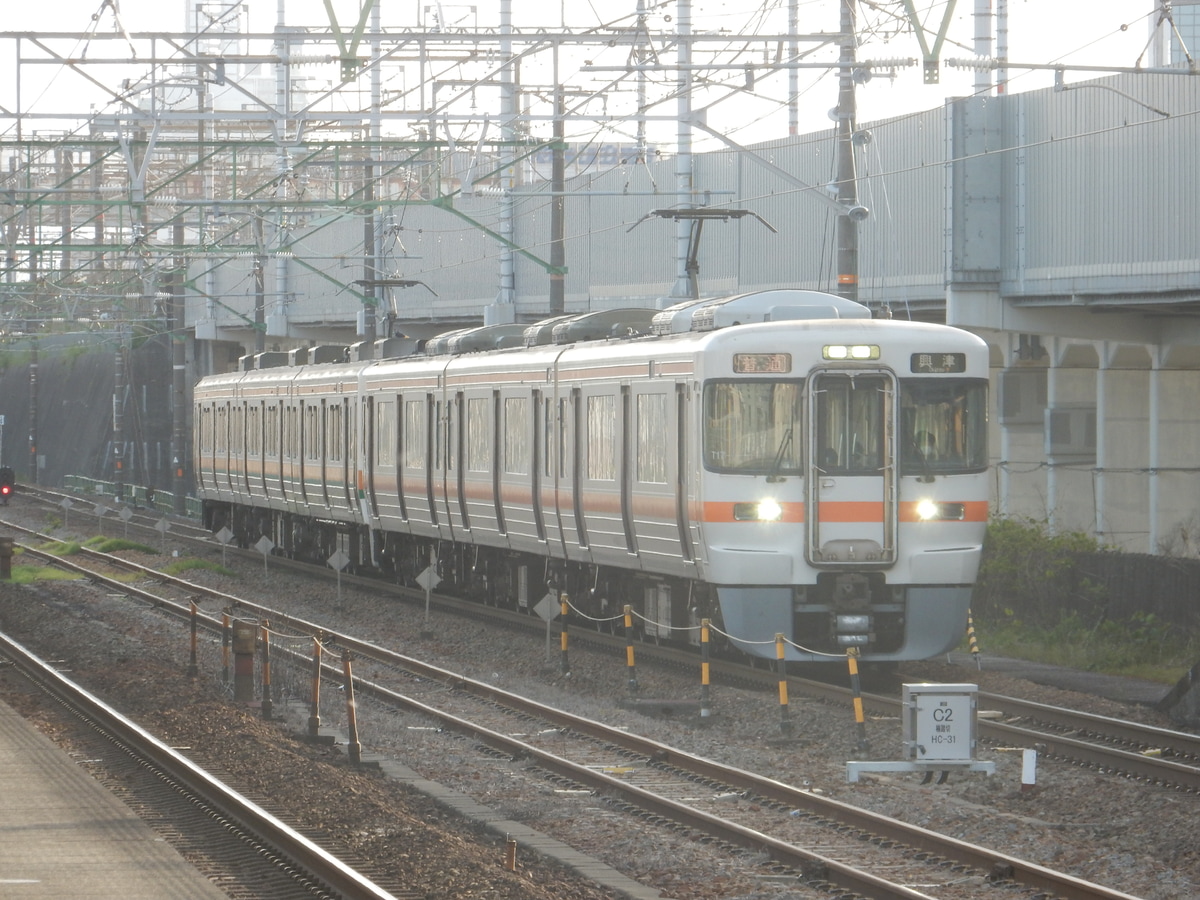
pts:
pixel 271 431
pixel 414 434
pixel 312 432
pixel 652 434
pixel 334 423
pixel 479 435
pixel 253 432
pixel 516 436
pixel 385 431
pixel 601 438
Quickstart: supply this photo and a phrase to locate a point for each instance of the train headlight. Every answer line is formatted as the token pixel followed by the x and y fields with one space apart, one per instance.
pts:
pixel 932 511
pixel 767 510
pixel 850 351
pixel 927 510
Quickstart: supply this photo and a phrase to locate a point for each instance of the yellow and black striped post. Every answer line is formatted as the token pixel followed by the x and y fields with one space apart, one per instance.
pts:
pixel 705 699
pixel 972 644
pixel 564 665
pixel 785 725
pixel 862 746
pixel 314 709
pixel 265 634
pixel 630 665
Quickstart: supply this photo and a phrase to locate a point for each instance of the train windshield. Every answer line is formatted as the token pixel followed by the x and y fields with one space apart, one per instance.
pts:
pixel 754 427
pixel 851 412
pixel 943 426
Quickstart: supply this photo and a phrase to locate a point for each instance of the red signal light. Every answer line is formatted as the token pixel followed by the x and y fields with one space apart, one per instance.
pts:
pixel 5 489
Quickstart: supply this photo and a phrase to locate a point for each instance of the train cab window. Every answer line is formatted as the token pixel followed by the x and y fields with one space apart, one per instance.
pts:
pixel 943 426
pixel 850 422
pixel 754 427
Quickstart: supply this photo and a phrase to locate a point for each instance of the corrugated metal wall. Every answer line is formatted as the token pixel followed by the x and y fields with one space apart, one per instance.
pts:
pixel 1110 187
pixel 1094 192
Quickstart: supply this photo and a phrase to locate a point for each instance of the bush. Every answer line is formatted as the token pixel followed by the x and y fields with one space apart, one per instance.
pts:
pixel 1029 575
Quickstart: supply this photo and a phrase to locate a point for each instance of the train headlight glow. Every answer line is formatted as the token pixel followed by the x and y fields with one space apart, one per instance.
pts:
pixel 927 510
pixel 767 510
pixel 850 351
pixel 932 511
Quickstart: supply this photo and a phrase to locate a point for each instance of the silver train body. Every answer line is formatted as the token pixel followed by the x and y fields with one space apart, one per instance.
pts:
pixel 778 463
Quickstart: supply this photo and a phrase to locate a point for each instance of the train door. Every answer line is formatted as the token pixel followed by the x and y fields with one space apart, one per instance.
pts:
pixel 263 445
pixel 577 458
pixel 625 470
pixel 456 458
pixel 222 447
pixel 349 429
pixel 307 436
pixel 431 429
pixel 322 448
pixel 371 442
pixel 497 462
pixel 852 485
pixel 682 517
pixel 537 464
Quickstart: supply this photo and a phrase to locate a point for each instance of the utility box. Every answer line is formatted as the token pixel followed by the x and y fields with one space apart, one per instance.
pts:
pixel 939 722
pixel 938 730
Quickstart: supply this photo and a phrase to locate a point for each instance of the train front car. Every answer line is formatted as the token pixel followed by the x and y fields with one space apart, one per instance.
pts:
pixel 844 485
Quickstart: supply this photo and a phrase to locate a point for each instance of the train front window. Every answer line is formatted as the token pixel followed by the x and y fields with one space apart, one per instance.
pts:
pixel 850 422
pixel 753 427
pixel 943 426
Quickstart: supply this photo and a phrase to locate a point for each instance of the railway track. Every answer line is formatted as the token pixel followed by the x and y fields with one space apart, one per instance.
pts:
pixel 1153 755
pixel 663 782
pixel 243 847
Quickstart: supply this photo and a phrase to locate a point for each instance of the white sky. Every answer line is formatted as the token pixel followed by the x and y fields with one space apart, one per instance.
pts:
pixel 1074 32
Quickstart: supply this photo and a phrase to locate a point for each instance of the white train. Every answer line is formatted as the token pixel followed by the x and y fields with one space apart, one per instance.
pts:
pixel 777 462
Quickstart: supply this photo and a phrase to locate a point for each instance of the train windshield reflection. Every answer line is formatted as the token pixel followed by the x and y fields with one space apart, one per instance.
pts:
pixel 754 427
pixel 943 426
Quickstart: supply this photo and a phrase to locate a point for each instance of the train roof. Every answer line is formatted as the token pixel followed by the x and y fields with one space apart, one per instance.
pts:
pixel 601 328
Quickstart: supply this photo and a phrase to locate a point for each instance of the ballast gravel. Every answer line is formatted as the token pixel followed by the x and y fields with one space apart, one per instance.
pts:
pixel 1129 836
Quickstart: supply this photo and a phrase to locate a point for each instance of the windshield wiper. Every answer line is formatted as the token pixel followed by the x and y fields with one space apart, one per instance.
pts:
pixel 777 465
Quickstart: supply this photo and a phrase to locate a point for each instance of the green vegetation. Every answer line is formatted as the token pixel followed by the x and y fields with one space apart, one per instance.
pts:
pixel 102 544
pixel 61 548
pixel 1031 602
pixel 30 574
pixel 1147 649
pixel 186 565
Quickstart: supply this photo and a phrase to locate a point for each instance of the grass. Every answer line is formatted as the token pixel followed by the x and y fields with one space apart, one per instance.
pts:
pixel 104 544
pixel 31 574
pixel 1145 648
pixel 61 548
pixel 186 565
